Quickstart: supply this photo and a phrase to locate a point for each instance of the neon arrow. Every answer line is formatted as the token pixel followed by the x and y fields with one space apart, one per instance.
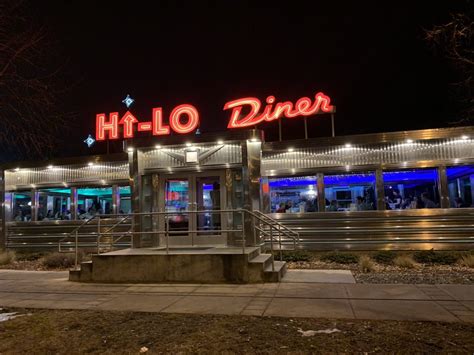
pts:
pixel 128 119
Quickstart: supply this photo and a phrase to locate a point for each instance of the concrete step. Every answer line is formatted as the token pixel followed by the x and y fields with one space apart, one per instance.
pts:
pixel 264 259
pixel 276 275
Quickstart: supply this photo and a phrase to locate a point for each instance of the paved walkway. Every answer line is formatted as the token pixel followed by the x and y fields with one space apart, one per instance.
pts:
pixel 451 303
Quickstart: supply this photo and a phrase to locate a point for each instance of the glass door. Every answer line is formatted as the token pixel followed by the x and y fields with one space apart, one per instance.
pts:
pixel 177 204
pixel 208 200
pixel 194 202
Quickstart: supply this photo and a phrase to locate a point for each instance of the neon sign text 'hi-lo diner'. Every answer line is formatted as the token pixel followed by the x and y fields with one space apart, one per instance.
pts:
pixel 184 118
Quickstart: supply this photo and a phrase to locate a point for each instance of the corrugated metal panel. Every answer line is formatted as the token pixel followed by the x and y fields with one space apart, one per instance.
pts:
pixel 66 174
pixel 173 157
pixel 388 153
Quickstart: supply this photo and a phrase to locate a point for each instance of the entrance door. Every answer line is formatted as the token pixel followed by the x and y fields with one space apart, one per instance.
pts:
pixel 194 201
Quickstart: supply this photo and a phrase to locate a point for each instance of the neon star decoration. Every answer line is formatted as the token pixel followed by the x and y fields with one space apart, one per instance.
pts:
pixel 89 141
pixel 128 101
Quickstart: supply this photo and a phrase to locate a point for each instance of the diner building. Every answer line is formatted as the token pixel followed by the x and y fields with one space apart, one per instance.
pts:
pixel 395 190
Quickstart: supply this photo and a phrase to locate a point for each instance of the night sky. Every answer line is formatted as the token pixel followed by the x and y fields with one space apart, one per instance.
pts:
pixel 369 57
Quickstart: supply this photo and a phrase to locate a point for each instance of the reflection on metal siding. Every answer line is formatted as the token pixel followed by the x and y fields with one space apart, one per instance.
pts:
pixel 174 157
pixel 66 174
pixel 387 153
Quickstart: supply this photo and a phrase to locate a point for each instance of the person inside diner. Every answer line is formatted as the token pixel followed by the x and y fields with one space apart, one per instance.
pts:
pixel 427 203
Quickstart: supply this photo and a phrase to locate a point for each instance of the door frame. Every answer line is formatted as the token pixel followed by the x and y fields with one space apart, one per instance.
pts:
pixel 196 239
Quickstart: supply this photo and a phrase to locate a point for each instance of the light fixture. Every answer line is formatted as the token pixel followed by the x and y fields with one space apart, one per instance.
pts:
pixel 220 141
pixel 50 166
pixel 291 150
pixel 409 141
pixel 348 145
pixel 130 149
pixel 464 137
pixel 158 146
pixel 188 144
pixel 17 169
pixel 90 163
pixel 254 140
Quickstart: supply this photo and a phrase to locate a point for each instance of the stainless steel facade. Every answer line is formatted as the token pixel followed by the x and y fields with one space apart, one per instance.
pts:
pixel 247 163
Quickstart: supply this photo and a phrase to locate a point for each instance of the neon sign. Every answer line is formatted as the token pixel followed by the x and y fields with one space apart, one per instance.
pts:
pixel 271 112
pixel 156 126
pixel 184 118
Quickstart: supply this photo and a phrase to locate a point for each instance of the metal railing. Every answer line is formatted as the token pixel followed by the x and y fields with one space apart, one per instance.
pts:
pixel 267 226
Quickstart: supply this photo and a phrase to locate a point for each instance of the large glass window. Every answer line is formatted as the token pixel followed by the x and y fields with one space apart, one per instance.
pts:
pixel 293 194
pixel 350 192
pixel 125 200
pixel 410 189
pixel 54 204
pixel 93 200
pixel 460 183
pixel 21 206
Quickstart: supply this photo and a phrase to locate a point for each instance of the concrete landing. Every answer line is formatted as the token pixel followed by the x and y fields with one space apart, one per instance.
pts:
pixel 447 303
pixel 319 276
pixel 181 264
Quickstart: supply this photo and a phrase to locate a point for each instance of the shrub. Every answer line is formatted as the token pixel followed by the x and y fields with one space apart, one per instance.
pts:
pixel 340 258
pixel 436 257
pixel 6 257
pixel 29 256
pixel 405 261
pixel 294 256
pixel 366 264
pixel 384 256
pixel 59 260
pixel 467 260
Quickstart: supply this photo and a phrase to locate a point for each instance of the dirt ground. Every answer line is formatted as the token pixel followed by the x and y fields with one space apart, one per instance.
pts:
pixel 75 332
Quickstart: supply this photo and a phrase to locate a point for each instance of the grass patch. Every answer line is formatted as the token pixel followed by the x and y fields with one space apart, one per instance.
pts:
pixel 467 260
pixel 436 257
pixel 25 255
pixel 340 258
pixel 60 260
pixel 6 257
pixel 384 256
pixel 405 261
pixel 366 264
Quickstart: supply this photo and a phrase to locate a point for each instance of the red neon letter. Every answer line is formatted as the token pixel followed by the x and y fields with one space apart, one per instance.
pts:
pixel 128 120
pixel 249 120
pixel 159 129
pixel 193 119
pixel 101 126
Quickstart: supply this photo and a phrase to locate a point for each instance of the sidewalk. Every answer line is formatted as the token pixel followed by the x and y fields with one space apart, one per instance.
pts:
pixel 44 289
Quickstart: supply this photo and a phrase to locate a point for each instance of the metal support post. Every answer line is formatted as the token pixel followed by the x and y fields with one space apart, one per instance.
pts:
pixel 279 130
pixel 443 187
pixel 77 251
pixel 98 235
pixel 333 130
pixel 271 247
pixel 306 128
pixel 379 190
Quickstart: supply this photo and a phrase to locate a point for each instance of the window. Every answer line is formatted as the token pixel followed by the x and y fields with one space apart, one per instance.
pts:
pixel 293 194
pixel 125 205
pixel 350 192
pixel 54 204
pixel 93 200
pixel 460 181
pixel 409 189
pixel 21 206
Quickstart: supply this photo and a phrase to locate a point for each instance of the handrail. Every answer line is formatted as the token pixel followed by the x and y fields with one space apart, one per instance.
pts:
pixel 75 230
pixel 110 229
pixel 277 223
pixel 256 215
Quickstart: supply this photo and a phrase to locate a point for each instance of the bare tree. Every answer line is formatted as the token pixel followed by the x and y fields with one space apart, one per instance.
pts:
pixel 454 41
pixel 30 85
